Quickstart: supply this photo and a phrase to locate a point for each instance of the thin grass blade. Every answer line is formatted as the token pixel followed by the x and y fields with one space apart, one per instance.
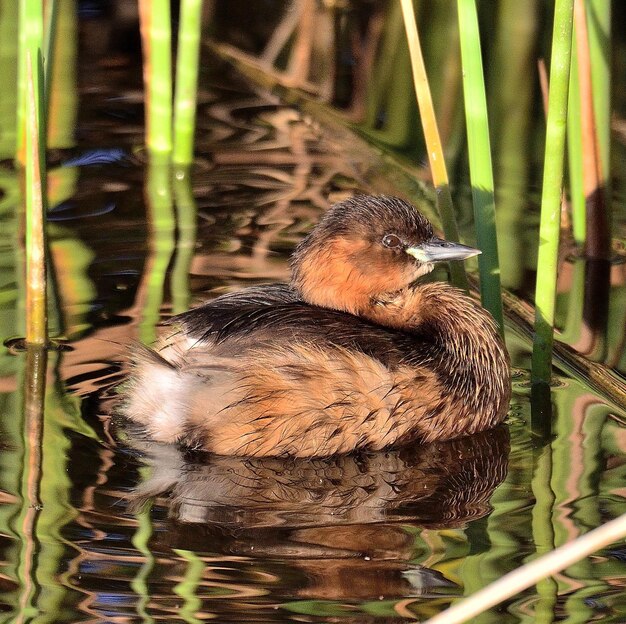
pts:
pixel 481 169
pixel 36 297
pixel 51 14
pixel 549 228
pixel 575 157
pixel 432 138
pixel 156 36
pixel 61 81
pixel 599 27
pixel 30 37
pixel 186 81
pixel 598 239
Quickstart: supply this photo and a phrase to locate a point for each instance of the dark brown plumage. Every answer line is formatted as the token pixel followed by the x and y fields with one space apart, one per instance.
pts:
pixel 354 353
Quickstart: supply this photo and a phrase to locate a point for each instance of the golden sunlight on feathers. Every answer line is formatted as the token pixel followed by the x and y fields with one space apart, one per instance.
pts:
pixel 354 354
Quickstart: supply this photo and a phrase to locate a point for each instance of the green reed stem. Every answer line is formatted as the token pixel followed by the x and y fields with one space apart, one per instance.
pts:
pixel 481 170
pixel 549 228
pixel 50 27
pixel 187 66
pixel 432 138
pixel 156 35
pixel 575 156
pixel 573 323
pixel 598 238
pixel 36 299
pixel 62 102
pixel 599 26
pixel 511 61
pixel 30 38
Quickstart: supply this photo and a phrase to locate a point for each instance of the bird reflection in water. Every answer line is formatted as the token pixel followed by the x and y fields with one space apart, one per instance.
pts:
pixel 337 521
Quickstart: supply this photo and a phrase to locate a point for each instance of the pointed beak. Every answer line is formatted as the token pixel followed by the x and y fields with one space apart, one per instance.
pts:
pixel 439 250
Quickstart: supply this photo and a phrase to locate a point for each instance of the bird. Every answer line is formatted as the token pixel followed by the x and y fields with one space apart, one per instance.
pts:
pixel 357 352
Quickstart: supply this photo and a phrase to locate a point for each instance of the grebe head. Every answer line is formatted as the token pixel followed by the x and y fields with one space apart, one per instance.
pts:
pixel 364 248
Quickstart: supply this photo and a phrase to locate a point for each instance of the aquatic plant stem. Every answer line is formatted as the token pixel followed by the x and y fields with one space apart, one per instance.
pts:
pixel 549 228
pixel 575 157
pixel 531 573
pixel 481 169
pixel 30 38
pixel 597 239
pixel 156 37
pixel 50 27
pixel 36 296
pixel 511 112
pixel 61 80
pixel 432 138
pixel 187 67
pixel 599 34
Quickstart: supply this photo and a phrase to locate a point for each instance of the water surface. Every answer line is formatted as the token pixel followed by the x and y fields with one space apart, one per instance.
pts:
pixel 99 525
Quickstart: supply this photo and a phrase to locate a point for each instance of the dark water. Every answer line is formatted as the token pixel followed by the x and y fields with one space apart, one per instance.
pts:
pixel 98 525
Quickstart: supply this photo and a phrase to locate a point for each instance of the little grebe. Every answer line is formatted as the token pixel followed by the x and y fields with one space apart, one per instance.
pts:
pixel 353 354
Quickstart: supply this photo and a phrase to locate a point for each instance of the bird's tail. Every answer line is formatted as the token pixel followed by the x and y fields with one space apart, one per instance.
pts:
pixel 156 395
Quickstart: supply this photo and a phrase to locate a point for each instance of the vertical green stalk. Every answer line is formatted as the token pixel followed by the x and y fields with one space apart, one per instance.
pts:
pixel 30 37
pixel 599 25
pixel 549 228
pixel 62 100
pixel 598 238
pixel 36 300
pixel 481 170
pixel 186 80
pixel 156 39
pixel 575 156
pixel 511 61
pixel 62 105
pixel 431 136
pixel 573 323
pixel 50 23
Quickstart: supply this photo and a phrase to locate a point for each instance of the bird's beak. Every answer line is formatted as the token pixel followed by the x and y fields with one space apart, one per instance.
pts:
pixel 439 250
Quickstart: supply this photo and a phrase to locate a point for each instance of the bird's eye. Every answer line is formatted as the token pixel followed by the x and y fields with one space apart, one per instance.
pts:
pixel 391 241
